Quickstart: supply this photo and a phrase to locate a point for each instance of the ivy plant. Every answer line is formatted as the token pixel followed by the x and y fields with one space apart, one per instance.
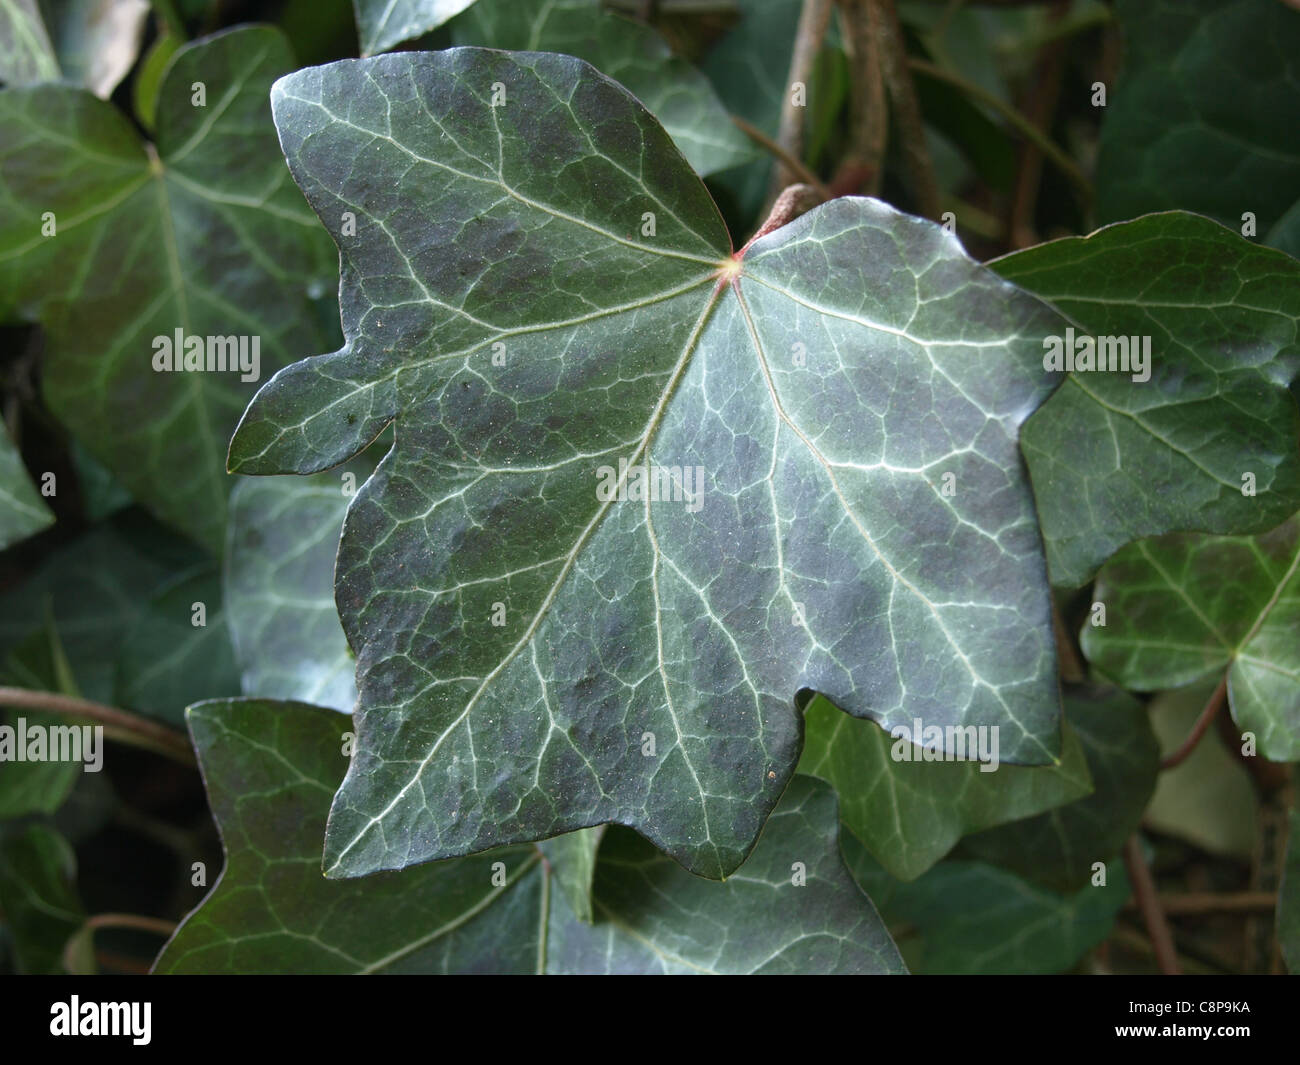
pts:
pixel 593 487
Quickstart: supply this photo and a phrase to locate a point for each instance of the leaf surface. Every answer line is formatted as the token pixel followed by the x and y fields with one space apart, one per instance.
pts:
pixel 634 55
pixel 1114 458
pixel 202 233
pixel 279 586
pixel 910 813
pixel 970 918
pixel 38 896
pixel 26 54
pixel 168 659
pixel 384 23
pixel 537 654
pixel 1184 607
pixel 1058 849
pixel 1204 115
pixel 22 510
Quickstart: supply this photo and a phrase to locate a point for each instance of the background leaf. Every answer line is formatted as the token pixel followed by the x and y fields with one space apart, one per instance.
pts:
pixel 1114 459
pixel 38 897
pixel 970 918
pixel 384 23
pixel 270 769
pixel 26 55
pixel 279 586
pixel 22 510
pixel 1209 800
pixel 1058 849
pixel 167 661
pixel 677 94
pixel 95 588
pixel 205 234
pixel 1184 607
pixel 910 813
pixel 1204 115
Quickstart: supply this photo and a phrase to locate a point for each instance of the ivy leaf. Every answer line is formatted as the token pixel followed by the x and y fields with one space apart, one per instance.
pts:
pixel 38 663
pixel 1181 608
pixel 1058 849
pixel 910 813
pixel 635 56
pixel 26 55
pixel 282 537
pixel 573 861
pixel 179 650
pixel 975 919
pixel 381 24
pixel 111 243
pixel 1210 799
pixel 96 41
pixel 1114 459
pixel 270 769
pixel 537 656
pixel 1204 115
pixel 22 510
pixel 38 897
pixel 95 589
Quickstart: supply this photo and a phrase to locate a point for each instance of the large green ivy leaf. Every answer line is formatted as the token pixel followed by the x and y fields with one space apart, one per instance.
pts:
pixel 281 541
pixel 1060 848
pixel 910 813
pixel 837 412
pixel 1184 607
pixel 974 919
pixel 203 233
pixel 1114 459
pixel 384 23
pixel 635 56
pixel 1205 113
pixel 270 769
pixel 22 510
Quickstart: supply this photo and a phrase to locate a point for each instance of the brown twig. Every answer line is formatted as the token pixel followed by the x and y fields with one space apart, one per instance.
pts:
pixel 1069 663
pixel 1212 707
pixel 1039 106
pixel 868 112
pixel 83 935
pixel 907 109
pixel 1144 891
pixel 793 201
pixel 814 18
pixel 1208 902
pixel 118 724
pixel 791 162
